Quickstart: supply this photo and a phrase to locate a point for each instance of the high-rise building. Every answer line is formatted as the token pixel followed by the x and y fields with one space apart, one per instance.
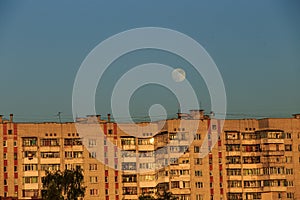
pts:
pixel 194 156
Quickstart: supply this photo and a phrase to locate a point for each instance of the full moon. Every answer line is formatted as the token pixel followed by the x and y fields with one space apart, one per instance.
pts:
pixel 178 75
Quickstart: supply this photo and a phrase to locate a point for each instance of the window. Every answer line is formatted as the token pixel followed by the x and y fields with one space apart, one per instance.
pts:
pixel 198 161
pixel 129 166
pixel 92 154
pixel 290 183
pixel 175 184
pixel 30 167
pixel 15 156
pixel 214 127
pixel 4 143
pixel 252 171
pixel 15 168
pixel 93 167
pixel 129 178
pixel 30 179
pixel 290 195
pixel 30 141
pixel 4 156
pixel 93 192
pixel 143 154
pixel 146 165
pixel 251 159
pixel 49 142
pixel 288 159
pixel 198 173
pixel 50 154
pixel 173 161
pixel 289 171
pixel 92 142
pixel 126 154
pixel 68 154
pixel 233 172
pixel 251 148
pixel 199 185
pixel 145 141
pixel 252 184
pixel 233 147
pixel 15 143
pixel 199 197
pixel 93 179
pixel 50 167
pixel 233 160
pixel 77 154
pixel 147 178
pixel 288 147
pixel 130 190
pixel 72 142
pixel 128 142
pixel 197 136
pixel 288 135
pixel 30 154
pixel 196 149
pixel 232 136
pixel 234 184
pixel 9 132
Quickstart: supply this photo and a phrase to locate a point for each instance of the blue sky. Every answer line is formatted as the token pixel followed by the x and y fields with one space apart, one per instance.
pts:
pixel 255 44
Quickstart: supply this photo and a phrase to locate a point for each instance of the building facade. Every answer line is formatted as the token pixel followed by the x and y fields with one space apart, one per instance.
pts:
pixel 195 156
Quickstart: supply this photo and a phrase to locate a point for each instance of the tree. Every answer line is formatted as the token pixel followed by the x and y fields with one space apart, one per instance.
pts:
pixel 58 184
pixel 166 196
pixel 52 186
pixel 73 180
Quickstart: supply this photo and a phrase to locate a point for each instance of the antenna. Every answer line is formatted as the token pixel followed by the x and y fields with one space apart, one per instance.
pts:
pixel 59 116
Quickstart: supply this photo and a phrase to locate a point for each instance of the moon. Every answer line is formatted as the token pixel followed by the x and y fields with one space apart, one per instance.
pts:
pixel 178 75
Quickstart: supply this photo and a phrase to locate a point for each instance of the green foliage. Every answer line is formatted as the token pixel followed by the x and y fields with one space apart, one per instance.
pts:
pixel 58 185
pixel 166 196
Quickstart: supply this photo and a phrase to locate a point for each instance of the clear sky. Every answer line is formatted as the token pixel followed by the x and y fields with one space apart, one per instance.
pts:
pixel 255 44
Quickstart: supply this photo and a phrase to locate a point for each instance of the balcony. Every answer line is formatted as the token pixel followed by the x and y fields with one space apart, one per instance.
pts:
pixel 49 160
pixel 181 191
pixel 30 186
pixel 30 160
pixel 130 196
pixel 272 140
pixel 250 141
pixel 232 141
pixel 147 184
pixel 274 189
pixel 129 147
pixel 233 153
pixel 146 147
pixel 273 153
pixel 31 173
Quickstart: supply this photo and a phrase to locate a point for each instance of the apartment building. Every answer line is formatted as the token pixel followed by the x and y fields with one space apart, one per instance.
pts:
pixel 195 156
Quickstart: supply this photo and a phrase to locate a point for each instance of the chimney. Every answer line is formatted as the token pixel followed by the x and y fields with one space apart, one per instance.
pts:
pixel 296 116
pixel 108 117
pixel 179 115
pixel 197 114
pixel 1 119
pixel 201 114
pixel 11 118
pixel 98 118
